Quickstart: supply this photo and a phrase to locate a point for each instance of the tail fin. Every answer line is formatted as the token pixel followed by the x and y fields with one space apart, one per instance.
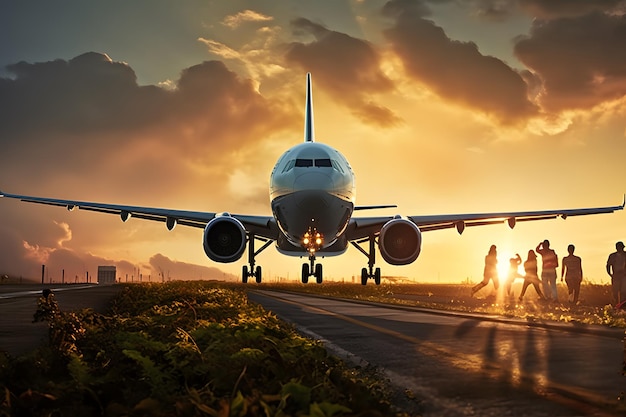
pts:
pixel 309 134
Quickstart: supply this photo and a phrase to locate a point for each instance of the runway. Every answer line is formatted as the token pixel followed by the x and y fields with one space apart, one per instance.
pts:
pixel 459 365
pixel 18 333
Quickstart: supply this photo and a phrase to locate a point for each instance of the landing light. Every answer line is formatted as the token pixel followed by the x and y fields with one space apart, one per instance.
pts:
pixel 312 240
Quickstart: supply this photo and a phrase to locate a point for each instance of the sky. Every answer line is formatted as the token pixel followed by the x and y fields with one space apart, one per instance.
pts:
pixel 455 106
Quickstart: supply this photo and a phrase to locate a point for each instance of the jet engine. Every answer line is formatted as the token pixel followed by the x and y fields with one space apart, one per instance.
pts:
pixel 224 239
pixel 400 241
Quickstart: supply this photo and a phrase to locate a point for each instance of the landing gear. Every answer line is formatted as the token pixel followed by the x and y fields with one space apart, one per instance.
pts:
pixel 370 272
pixel 257 272
pixel 307 271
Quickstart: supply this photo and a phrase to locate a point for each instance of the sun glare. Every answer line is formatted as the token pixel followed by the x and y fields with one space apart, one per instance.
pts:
pixel 503 264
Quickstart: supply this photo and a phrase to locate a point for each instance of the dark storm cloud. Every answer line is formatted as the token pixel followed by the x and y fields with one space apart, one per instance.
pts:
pixel 348 68
pixel 555 9
pixel 91 94
pixel 581 61
pixel 87 93
pixel 455 70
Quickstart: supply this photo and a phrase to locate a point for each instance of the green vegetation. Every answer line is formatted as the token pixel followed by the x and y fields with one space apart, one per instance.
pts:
pixel 593 308
pixel 183 349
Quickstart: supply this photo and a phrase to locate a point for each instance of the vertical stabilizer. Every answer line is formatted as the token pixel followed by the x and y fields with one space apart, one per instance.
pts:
pixel 309 134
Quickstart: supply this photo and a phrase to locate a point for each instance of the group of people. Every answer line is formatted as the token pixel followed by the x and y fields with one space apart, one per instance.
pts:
pixel 571 273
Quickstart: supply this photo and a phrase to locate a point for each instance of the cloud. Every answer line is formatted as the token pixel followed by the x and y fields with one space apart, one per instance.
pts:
pixel 556 9
pixel 162 266
pixel 219 49
pixel 233 21
pixel 580 61
pixel 456 71
pixel 347 67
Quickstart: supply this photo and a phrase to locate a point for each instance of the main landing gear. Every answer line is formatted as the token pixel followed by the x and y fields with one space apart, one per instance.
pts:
pixel 370 272
pixel 311 269
pixel 257 272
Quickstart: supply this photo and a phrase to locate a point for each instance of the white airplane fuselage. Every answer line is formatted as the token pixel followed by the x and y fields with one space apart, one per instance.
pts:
pixel 312 194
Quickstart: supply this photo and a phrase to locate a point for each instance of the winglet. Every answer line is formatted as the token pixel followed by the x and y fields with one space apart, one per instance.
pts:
pixel 1 193
pixel 309 134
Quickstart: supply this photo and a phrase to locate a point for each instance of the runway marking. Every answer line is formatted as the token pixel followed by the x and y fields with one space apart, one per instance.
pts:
pixel 567 395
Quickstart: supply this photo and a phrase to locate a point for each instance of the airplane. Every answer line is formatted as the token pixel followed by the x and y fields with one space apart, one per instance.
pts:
pixel 312 198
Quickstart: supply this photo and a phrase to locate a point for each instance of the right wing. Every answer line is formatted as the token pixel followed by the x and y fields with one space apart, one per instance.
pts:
pixel 264 226
pixel 362 227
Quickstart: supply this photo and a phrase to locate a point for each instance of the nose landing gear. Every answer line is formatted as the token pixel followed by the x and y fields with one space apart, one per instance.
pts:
pixel 311 269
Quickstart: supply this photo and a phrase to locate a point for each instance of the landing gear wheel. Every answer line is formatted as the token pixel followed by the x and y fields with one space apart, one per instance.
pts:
pixel 318 273
pixel 305 273
pixel 364 276
pixel 244 274
pixel 258 274
pixel 377 276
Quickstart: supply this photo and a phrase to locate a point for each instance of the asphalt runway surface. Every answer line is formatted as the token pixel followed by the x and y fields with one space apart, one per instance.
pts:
pixel 18 303
pixel 463 365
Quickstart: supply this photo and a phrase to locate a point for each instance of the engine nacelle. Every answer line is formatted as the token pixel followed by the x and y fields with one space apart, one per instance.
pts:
pixel 224 239
pixel 400 241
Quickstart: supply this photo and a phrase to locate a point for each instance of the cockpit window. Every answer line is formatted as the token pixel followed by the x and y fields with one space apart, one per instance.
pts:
pixel 323 163
pixel 289 165
pixel 337 166
pixel 304 162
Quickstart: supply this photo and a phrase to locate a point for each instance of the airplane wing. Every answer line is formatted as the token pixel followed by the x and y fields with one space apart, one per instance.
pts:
pixel 362 227
pixel 263 226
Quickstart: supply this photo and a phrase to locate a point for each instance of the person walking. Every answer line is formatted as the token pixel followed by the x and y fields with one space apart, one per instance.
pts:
pixel 572 269
pixel 549 263
pixel 530 276
pixel 490 272
pixel 616 268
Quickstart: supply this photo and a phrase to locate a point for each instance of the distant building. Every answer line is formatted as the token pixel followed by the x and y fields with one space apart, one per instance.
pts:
pixel 106 274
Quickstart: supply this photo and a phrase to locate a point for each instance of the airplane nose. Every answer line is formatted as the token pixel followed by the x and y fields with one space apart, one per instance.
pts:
pixel 313 181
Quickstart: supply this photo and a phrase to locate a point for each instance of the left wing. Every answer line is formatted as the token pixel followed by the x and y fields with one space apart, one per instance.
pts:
pixel 362 227
pixel 260 225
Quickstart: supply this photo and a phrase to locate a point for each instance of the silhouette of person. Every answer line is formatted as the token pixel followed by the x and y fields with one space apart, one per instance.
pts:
pixel 490 272
pixel 514 264
pixel 572 268
pixel 530 276
pixel 616 268
pixel 549 263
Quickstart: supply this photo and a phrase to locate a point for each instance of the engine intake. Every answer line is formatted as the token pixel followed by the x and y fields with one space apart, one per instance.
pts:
pixel 224 239
pixel 400 241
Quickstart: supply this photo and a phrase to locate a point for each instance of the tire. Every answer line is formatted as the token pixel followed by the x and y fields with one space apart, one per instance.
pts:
pixel 364 276
pixel 318 273
pixel 305 273
pixel 258 274
pixel 377 276
pixel 244 274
